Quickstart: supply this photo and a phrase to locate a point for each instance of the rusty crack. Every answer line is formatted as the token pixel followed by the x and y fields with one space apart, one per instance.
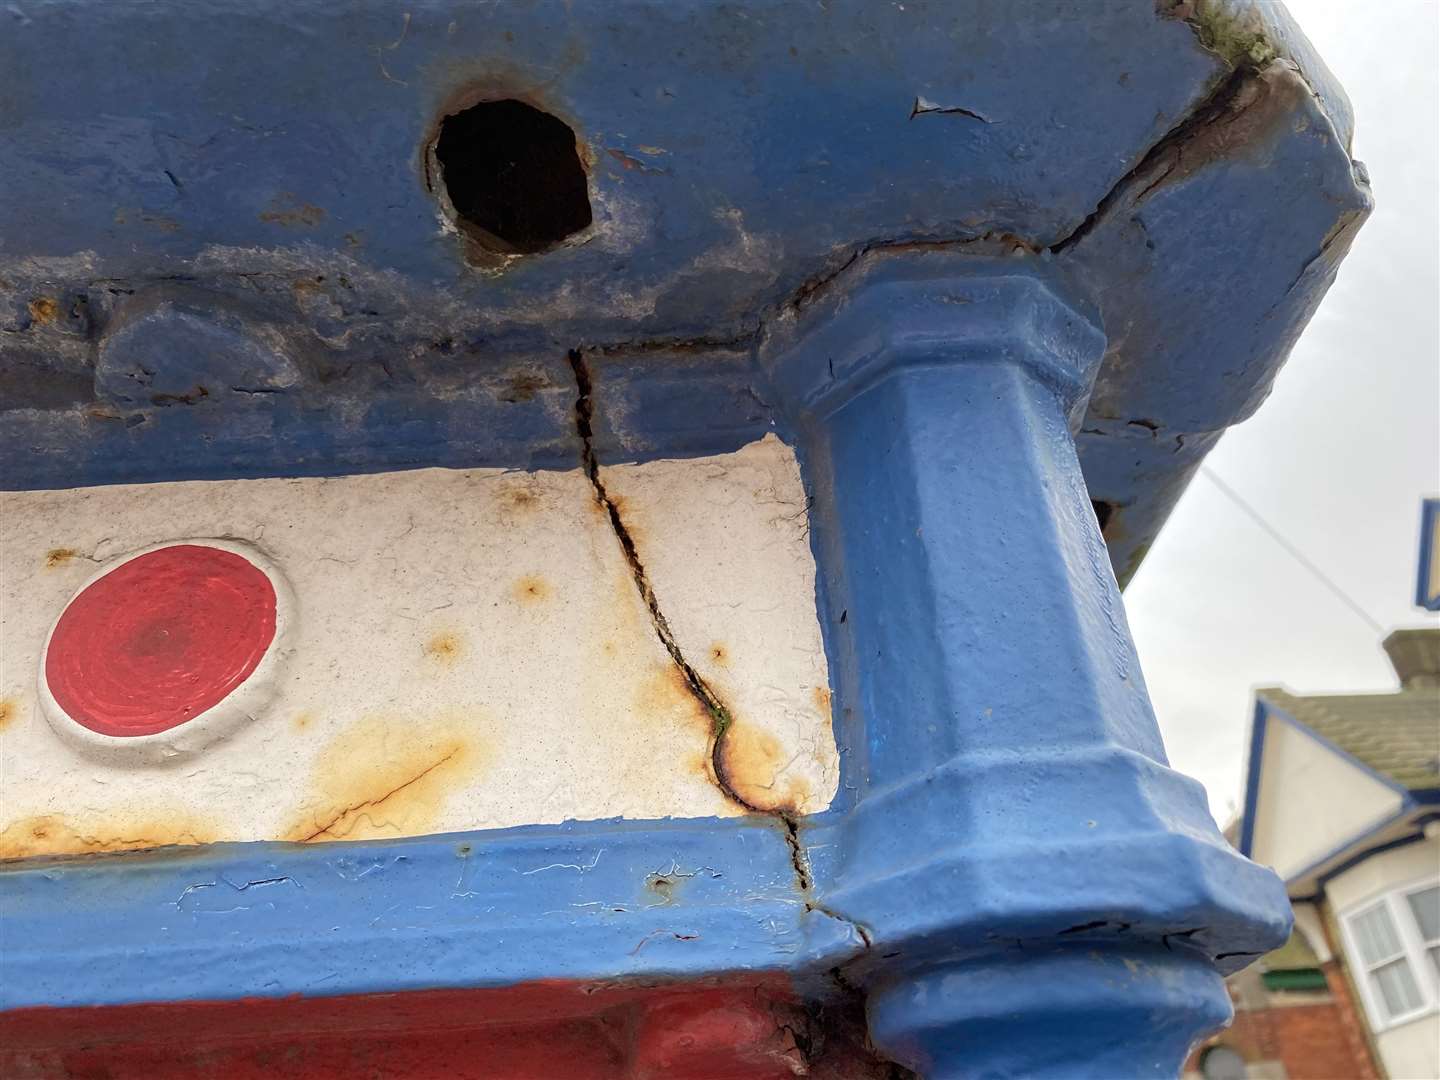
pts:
pixel 715 708
pixel 378 800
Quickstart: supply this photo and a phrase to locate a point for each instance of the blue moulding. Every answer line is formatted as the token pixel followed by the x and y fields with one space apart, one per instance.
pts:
pixel 1186 162
pixel 1010 849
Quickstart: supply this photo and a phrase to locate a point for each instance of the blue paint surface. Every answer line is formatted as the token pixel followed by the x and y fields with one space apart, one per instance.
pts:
pixel 740 157
pixel 1007 811
pixel 481 909
pixel 923 242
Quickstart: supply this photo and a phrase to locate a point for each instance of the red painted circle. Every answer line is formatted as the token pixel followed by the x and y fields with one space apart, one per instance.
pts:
pixel 160 639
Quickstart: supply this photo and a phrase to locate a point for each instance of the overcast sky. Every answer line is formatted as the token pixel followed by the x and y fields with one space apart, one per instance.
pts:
pixel 1337 459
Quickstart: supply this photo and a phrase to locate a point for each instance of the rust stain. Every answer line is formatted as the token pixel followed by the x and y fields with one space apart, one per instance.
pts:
pixel 9 712
pixel 719 654
pixel 43 310
pixel 699 764
pixel 57 557
pixel 820 695
pixel 285 211
pixel 665 694
pixel 522 388
pixel 754 764
pixel 530 589
pixel 519 497
pixel 51 834
pixel 388 776
pixel 301 721
pixel 445 648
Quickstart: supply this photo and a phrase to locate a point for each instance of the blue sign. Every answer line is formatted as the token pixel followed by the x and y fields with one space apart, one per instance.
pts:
pixel 1427 581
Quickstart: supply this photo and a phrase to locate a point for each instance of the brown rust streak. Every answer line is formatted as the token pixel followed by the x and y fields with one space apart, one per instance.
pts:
pixel 350 812
pixel 285 211
pixel 43 310
pixel 388 776
pixel 57 557
pixel 51 834
pixel 753 765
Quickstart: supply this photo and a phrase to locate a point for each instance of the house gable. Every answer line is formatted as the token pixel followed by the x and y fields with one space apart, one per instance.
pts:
pixel 1310 798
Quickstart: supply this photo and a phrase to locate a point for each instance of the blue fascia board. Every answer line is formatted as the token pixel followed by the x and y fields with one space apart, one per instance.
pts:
pixel 578 901
pixel 735 172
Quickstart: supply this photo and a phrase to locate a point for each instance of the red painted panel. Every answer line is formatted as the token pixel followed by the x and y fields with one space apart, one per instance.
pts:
pixel 160 639
pixel 535 1030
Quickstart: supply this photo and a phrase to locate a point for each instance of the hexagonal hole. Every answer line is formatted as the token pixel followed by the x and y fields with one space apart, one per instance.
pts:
pixel 513 177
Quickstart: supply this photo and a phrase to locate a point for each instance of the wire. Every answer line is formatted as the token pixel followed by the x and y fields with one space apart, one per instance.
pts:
pixel 1295 552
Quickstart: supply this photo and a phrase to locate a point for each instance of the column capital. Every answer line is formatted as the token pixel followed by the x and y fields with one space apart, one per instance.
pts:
pixel 899 309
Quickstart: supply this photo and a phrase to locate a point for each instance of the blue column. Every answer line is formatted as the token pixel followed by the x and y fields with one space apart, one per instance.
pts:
pixel 1043 896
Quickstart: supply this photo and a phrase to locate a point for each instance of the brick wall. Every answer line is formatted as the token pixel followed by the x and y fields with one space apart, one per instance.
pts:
pixel 1312 1035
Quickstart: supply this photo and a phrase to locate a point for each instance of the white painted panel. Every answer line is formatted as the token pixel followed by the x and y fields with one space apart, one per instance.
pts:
pixel 470 651
pixel 1311 800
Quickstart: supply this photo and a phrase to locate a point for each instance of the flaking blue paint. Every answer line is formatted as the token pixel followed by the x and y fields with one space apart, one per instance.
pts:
pixel 777 146
pixel 1010 853
pixel 1006 809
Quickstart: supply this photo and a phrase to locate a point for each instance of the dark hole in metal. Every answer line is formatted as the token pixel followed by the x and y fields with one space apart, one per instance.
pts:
pixel 513 176
pixel 1102 512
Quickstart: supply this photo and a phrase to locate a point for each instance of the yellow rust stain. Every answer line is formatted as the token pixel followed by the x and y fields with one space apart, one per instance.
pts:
pixel 666 694
pixel 301 721
pixel 719 654
pixel 389 776
pixel 43 310
pixel 51 834
pixel 754 764
pixel 699 764
pixel 530 589
pixel 821 696
pixel 445 648
pixel 9 712
pixel 57 557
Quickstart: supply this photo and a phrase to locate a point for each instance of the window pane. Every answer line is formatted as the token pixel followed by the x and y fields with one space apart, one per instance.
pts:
pixel 1375 935
pixel 1397 987
pixel 1426 906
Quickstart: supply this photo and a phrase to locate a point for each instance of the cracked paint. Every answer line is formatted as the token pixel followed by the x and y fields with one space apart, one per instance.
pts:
pixel 470 651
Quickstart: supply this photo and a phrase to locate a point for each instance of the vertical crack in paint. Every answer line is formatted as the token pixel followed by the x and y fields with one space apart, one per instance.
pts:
pixel 719 713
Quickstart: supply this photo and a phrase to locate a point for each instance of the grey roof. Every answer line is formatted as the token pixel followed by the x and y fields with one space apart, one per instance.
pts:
pixel 1397 734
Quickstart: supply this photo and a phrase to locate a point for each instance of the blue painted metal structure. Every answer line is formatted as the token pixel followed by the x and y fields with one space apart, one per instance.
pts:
pixel 939 249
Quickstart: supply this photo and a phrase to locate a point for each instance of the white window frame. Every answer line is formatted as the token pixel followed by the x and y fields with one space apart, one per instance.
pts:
pixel 1413 949
pixel 1426 944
